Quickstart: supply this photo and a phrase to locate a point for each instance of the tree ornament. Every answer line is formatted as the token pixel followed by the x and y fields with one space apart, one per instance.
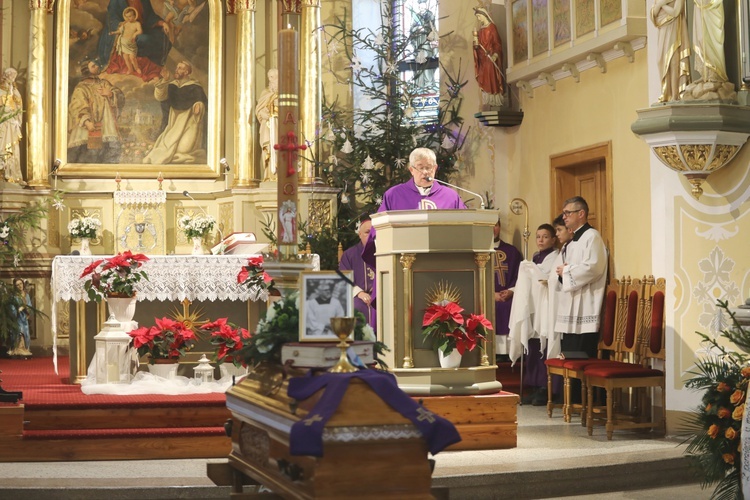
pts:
pixel 347 147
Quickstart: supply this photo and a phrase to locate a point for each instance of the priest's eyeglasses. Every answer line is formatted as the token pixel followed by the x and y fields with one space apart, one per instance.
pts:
pixel 424 170
pixel 568 213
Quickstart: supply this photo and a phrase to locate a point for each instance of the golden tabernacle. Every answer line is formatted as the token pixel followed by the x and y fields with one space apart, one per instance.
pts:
pixel 388 448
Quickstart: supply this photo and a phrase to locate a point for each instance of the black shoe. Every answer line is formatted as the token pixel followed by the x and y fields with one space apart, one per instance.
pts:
pixel 540 397
pixel 502 358
pixel 528 398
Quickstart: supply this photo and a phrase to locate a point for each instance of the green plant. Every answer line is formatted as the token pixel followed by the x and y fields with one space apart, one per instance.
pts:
pixel 115 276
pixel 715 425
pixel 281 325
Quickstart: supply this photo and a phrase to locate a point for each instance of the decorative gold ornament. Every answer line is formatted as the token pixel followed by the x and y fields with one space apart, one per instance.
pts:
pixel 443 292
pixel 696 161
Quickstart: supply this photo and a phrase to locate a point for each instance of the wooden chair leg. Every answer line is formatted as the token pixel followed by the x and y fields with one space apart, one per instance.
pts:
pixel 566 399
pixel 590 410
pixel 550 404
pixel 610 414
pixel 584 404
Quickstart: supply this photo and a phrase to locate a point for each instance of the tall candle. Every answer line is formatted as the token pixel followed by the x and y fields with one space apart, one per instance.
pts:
pixel 287 144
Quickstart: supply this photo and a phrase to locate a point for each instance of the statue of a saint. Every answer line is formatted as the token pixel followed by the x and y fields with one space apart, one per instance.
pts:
pixel 267 112
pixel 674 47
pixel 488 59
pixel 708 40
pixel 11 106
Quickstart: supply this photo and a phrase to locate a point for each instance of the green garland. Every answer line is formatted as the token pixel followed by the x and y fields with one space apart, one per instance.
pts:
pixel 281 325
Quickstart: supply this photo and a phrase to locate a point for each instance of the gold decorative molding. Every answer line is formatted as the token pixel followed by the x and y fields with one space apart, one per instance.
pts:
pixel 47 5
pixel 481 260
pixel 319 214
pixel 696 161
pixel 226 218
pixel 407 260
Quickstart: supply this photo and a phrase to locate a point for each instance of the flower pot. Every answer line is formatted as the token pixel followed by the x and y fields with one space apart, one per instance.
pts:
pixel 452 360
pixel 85 246
pixel 164 368
pixel 123 308
pixel 229 370
pixel 198 246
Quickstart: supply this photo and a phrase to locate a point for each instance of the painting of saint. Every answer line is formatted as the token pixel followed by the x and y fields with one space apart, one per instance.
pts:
pixel 127 47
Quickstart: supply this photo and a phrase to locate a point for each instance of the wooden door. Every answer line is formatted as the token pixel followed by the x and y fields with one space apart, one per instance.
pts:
pixel 586 172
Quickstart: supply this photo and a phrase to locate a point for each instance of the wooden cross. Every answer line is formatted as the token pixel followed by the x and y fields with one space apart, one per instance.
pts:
pixel 500 267
pixel 290 145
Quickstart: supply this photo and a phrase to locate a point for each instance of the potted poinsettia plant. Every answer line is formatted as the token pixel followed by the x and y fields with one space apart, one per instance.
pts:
pixel 228 339
pixel 166 340
pixel 256 278
pixel 115 278
pixel 452 333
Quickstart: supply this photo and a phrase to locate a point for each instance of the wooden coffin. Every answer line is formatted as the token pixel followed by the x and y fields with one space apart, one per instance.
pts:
pixel 369 449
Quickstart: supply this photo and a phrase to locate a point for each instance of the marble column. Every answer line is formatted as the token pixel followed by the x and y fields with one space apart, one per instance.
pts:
pixel 247 172
pixel 37 101
pixel 311 87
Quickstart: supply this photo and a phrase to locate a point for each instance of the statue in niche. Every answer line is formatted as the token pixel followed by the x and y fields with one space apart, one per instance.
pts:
pixel 670 19
pixel 267 112
pixel 488 59
pixel 20 311
pixel 708 45
pixel 11 106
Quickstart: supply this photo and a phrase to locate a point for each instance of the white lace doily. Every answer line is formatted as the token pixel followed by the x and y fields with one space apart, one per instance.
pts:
pixel 152 197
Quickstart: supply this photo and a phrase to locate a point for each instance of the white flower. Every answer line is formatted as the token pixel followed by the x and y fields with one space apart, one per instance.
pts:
pixel 365 176
pixel 368 333
pixel 378 40
pixel 333 47
pixel 58 204
pixel 84 227
pixel 270 314
pixel 196 226
pixel 390 68
pixel 378 200
pixel 264 347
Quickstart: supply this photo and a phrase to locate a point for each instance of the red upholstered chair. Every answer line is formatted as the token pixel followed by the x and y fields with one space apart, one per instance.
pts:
pixel 612 334
pixel 640 378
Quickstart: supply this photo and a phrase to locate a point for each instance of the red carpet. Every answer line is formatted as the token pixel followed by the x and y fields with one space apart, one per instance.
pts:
pixel 43 389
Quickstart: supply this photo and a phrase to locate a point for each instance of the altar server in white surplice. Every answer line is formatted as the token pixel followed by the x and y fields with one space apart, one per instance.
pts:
pixel 583 276
pixel 529 322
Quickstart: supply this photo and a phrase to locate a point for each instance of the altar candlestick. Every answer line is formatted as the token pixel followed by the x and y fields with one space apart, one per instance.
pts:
pixel 287 143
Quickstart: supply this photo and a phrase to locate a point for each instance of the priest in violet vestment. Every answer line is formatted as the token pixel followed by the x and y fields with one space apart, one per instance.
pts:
pixel 421 192
pixel 506 261
pixel 364 274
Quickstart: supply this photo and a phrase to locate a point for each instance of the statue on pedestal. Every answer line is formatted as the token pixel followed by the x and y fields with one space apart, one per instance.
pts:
pixel 267 112
pixel 674 47
pixel 488 59
pixel 11 106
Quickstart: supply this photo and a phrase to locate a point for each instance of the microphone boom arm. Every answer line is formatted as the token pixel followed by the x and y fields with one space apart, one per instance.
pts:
pixel 481 199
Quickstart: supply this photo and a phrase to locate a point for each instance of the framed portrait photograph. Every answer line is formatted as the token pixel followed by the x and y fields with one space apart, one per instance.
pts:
pixel 324 295
pixel 137 88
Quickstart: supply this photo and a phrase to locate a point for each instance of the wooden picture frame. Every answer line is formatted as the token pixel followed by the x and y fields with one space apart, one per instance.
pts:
pixel 324 295
pixel 142 134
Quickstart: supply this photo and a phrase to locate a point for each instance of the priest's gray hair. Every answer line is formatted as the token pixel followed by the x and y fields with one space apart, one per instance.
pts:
pixel 422 154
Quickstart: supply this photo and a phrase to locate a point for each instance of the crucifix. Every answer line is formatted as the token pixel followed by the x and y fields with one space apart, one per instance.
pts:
pixel 289 147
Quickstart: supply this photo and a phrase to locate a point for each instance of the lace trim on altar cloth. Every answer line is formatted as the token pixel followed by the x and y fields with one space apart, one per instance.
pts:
pixel 140 197
pixel 371 433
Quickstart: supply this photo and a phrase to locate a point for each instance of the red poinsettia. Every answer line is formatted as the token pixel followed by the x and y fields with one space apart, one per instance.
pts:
pixel 115 276
pixel 167 339
pixel 228 339
pixel 447 327
pixel 254 276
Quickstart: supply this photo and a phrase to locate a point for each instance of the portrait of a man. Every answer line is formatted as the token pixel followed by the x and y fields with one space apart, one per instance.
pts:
pixel 324 295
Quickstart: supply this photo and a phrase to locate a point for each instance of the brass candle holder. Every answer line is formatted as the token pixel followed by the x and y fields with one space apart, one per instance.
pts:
pixel 343 328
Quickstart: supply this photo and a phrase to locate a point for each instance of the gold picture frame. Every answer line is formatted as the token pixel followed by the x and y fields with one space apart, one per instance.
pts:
pixel 314 317
pixel 172 32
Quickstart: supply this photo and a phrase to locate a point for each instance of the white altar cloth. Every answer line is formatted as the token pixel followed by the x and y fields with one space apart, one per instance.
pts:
pixel 171 277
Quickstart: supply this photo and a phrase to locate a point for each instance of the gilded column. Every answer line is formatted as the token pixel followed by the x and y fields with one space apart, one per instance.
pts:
pixel 247 172
pixel 37 101
pixel 311 86
pixel 481 260
pixel 407 260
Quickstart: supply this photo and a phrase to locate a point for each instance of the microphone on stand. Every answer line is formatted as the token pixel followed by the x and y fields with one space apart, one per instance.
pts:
pixel 481 199
pixel 221 235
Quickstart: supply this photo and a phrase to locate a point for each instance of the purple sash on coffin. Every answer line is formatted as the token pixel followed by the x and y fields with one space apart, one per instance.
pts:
pixel 306 436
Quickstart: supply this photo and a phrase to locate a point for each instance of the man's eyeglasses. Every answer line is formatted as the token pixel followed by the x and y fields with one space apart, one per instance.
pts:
pixel 567 213
pixel 424 170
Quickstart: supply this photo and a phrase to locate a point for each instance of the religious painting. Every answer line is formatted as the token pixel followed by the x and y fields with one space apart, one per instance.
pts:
pixel 520 31
pixel 585 17
pixel 561 21
pixel 540 27
pixel 324 295
pixel 611 11
pixel 138 87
